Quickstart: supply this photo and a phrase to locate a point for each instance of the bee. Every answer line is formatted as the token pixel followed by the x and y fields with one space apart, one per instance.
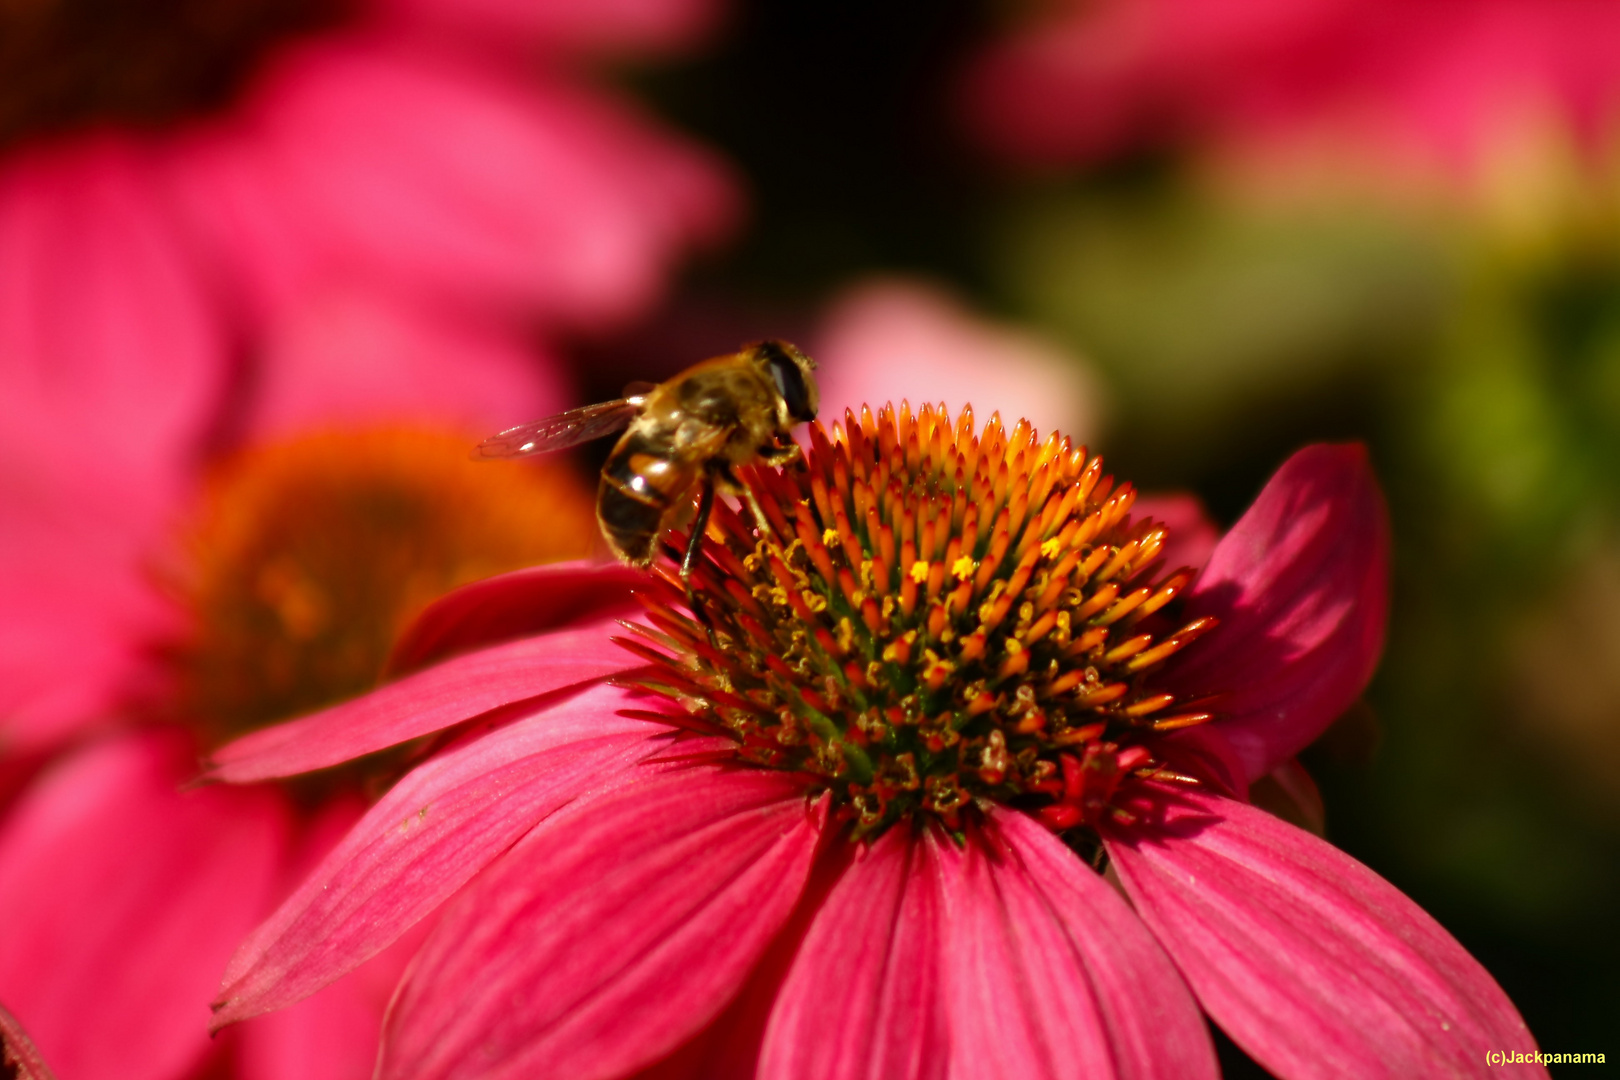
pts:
pixel 688 433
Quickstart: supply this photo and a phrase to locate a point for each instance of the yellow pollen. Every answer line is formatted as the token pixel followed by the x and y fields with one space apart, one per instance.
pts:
pixel 963 568
pixel 1050 547
pixel 919 572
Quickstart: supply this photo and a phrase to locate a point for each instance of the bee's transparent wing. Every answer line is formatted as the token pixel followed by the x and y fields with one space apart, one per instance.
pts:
pixel 561 431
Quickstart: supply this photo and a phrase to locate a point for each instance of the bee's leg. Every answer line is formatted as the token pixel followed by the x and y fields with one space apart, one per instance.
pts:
pixel 730 485
pixel 782 454
pixel 758 512
pixel 694 544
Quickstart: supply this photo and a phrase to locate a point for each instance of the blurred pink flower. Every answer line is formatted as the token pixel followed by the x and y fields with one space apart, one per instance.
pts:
pixel 375 228
pixel 378 229
pixel 626 891
pixel 1426 85
pixel 883 338
pixel 120 894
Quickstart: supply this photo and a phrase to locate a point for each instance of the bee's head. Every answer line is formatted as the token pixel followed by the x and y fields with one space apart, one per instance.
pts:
pixel 791 371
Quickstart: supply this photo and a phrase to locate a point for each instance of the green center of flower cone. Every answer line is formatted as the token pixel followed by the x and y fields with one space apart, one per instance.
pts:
pixel 74 63
pixel 935 619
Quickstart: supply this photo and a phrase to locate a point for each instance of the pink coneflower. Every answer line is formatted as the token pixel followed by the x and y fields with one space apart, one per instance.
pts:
pixel 1430 86
pixel 859 833
pixel 221 219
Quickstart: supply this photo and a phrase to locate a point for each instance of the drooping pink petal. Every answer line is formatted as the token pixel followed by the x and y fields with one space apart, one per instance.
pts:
pixel 1301 587
pixel 437 828
pixel 518 604
pixel 1192 535
pixel 422 703
pixel 1051 975
pixel 864 996
pixel 121 897
pixel 1314 964
pixel 18 1052
pixel 609 934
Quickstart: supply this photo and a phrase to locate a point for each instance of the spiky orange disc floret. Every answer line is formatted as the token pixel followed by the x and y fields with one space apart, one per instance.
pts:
pixel 935 618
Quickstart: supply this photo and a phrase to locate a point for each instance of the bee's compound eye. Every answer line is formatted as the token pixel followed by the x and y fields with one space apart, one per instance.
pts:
pixel 790 381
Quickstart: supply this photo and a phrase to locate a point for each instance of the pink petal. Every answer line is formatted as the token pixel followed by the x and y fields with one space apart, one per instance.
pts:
pixel 893 339
pixel 611 933
pixel 1315 965
pixel 1192 535
pixel 18 1051
pixel 348 352
pixel 428 701
pixel 1051 975
pixel 437 828
pixel 107 339
pixel 864 997
pixel 107 333
pixel 121 897
pixel 1301 586
pixel 332 1036
pixel 515 605
pixel 364 156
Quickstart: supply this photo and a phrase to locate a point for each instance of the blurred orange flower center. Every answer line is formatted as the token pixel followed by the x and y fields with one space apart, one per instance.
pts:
pixel 309 556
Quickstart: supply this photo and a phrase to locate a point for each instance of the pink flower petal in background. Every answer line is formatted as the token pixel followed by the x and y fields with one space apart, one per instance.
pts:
pixel 18 1051
pixel 109 359
pixel 110 349
pixel 414 170
pixel 1434 86
pixel 427 701
pixel 427 837
pixel 623 924
pixel 1300 585
pixel 121 898
pixel 1052 976
pixel 865 997
pixel 1315 965
pixel 332 1036
pixel 891 339
pixel 349 354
